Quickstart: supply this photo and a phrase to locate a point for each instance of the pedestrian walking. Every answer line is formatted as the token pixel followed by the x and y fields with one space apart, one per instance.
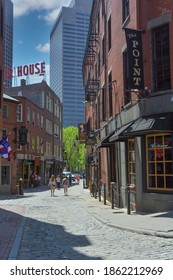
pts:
pixel 78 179
pixel 35 180
pixel 32 179
pixel 58 180
pixel 65 184
pixel 52 184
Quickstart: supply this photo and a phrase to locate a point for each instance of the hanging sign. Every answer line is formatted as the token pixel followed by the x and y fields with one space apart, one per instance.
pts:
pixel 135 58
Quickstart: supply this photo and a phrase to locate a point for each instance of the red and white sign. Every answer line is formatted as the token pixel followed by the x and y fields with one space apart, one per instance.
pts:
pixel 25 70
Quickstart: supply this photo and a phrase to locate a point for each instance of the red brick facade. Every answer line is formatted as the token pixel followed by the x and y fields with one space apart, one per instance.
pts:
pixel 38 109
pixel 115 105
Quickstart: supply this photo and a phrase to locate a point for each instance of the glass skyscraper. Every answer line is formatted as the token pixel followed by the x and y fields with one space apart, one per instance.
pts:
pixel 67 46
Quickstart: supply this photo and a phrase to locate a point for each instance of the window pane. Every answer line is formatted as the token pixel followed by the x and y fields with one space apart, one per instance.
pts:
pixel 159 141
pixel 167 141
pixel 150 155
pixel 168 154
pixel 151 168
pixel 150 142
pixel 151 183
pixel 168 168
pixel 169 182
pixel 160 182
pixel 159 168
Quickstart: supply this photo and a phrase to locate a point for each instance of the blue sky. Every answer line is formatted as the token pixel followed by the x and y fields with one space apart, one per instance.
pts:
pixel 33 21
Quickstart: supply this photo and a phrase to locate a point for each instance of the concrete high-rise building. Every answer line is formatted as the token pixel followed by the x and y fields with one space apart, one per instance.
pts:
pixel 8 47
pixel 67 46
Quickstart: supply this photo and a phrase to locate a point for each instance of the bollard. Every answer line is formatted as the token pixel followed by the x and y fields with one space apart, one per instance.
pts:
pixel 104 194
pixel 99 192
pixel 20 187
pixel 95 192
pixel 112 193
pixel 128 199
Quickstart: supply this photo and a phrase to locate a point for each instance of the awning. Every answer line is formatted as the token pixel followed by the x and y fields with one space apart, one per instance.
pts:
pixel 105 142
pixel 154 124
pixel 142 126
pixel 117 135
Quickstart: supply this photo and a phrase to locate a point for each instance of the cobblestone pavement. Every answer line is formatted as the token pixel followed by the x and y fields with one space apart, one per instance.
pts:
pixel 66 227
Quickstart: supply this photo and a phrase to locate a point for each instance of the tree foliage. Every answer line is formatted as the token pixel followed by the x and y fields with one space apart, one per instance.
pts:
pixel 74 151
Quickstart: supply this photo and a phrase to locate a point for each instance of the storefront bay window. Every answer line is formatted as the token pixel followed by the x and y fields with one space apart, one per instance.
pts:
pixel 159 162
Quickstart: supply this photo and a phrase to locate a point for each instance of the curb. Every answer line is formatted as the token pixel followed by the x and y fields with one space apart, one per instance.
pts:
pixel 17 241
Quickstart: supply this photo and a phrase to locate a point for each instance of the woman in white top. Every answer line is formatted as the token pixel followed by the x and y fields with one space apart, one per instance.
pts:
pixel 65 184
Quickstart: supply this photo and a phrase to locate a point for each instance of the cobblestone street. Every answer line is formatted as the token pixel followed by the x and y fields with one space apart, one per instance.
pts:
pixel 66 227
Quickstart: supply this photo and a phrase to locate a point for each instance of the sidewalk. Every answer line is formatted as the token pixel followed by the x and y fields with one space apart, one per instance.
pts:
pixel 11 217
pixel 156 224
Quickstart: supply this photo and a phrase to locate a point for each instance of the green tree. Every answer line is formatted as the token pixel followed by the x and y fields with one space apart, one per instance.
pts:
pixel 73 149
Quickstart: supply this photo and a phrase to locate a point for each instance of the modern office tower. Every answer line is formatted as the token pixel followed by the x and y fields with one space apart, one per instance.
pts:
pixel 67 46
pixel 8 47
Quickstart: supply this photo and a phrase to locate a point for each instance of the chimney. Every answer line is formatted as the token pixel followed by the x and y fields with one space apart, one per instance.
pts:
pixel 23 82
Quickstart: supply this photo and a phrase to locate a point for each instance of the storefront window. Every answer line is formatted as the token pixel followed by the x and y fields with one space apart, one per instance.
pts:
pixel 159 162
pixel 131 162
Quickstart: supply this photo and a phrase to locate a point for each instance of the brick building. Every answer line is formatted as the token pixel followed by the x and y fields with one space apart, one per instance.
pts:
pixel 39 111
pixel 8 178
pixel 128 74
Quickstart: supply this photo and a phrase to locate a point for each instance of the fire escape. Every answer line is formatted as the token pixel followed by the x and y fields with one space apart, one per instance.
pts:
pixel 92 83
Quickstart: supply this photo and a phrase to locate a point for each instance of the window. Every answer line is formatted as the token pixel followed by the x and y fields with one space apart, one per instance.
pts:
pixel 48 127
pixel 48 149
pixel 49 104
pixel 5 173
pixel 109 34
pixel 125 9
pixel 38 120
pixel 103 103
pixel 42 122
pixel 98 23
pixel 161 58
pixel 4 133
pixel 38 144
pixel 159 162
pixel 41 146
pixel 56 129
pixel 56 110
pixel 131 163
pixel 33 117
pixel 33 143
pixel 19 113
pixel 5 111
pixel 28 114
pixel 110 95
